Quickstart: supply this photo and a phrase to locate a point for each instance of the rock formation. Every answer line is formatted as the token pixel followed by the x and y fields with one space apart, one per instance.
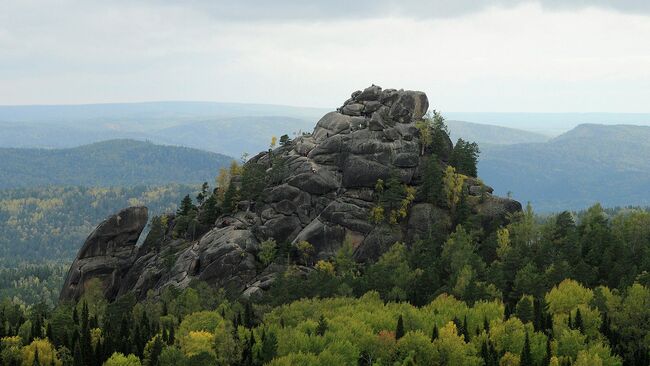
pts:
pixel 107 254
pixel 320 190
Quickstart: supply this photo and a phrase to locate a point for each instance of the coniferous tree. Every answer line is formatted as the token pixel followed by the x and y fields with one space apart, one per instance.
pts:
pixel 210 211
pixel 465 330
pixel 77 356
pixel 172 336
pixel 578 324
pixel 399 330
pixel 230 199
pixel 203 194
pixel 249 316
pixel 84 338
pixel 186 206
pixel 269 347
pixel 526 359
pixel 432 185
pixel 321 328
pixel 434 333
pixel 285 140
pixel 464 157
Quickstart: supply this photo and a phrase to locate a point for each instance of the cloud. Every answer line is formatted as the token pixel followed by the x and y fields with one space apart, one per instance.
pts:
pixel 510 57
pixel 306 11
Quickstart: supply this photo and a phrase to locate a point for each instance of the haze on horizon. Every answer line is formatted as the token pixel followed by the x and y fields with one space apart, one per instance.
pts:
pixel 501 56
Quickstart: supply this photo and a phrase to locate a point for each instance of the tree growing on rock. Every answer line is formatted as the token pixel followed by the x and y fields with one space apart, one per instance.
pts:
pixel 464 157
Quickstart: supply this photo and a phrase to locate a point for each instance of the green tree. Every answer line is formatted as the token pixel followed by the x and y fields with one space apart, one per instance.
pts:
pixel 432 183
pixel 464 157
pixel 399 330
pixel 186 206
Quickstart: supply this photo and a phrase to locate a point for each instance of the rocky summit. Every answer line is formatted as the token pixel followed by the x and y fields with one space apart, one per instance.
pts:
pixel 320 188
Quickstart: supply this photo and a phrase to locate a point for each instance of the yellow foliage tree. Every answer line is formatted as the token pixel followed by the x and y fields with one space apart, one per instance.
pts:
pixel 452 186
pixel 45 350
pixel 196 342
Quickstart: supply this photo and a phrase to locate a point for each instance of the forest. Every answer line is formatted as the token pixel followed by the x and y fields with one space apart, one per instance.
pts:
pixel 41 230
pixel 53 222
pixel 567 289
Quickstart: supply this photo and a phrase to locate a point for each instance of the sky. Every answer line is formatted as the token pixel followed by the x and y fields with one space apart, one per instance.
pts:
pixel 467 55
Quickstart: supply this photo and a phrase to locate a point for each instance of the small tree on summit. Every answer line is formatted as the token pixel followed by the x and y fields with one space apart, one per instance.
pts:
pixel 186 206
pixel 464 157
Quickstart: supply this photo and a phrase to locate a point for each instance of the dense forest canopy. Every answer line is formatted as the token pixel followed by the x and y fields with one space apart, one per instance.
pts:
pixel 108 163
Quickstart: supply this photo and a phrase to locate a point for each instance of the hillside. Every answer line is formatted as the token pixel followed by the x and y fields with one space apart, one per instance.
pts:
pixel 552 124
pixel 227 128
pixel 232 136
pixel 51 223
pixel 108 163
pixel 491 134
pixel 591 163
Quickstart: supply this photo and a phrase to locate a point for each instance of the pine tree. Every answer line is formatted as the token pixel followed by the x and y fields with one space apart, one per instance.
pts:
pixel 172 336
pixel 156 349
pixel 285 140
pixel 230 199
pixel 321 328
pixel 210 211
pixel 431 188
pixel 249 316
pixel 269 348
pixel 399 330
pixel 578 324
pixel 186 206
pixel 86 348
pixel 465 331
pixel 203 194
pixel 464 157
pixel 526 358
pixel 77 356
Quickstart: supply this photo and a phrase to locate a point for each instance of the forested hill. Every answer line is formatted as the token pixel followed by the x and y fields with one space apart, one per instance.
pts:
pixel 591 163
pixel 491 134
pixel 108 163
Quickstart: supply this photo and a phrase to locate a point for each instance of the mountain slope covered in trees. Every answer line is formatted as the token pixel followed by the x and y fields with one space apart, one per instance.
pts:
pixel 591 163
pixel 485 134
pixel 109 163
pixel 51 223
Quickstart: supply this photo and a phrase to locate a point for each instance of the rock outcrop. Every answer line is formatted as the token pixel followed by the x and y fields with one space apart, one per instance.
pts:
pixel 107 254
pixel 320 190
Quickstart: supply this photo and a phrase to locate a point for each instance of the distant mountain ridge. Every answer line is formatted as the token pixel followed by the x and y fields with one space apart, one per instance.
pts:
pixel 108 163
pixel 491 134
pixel 591 163
pixel 148 110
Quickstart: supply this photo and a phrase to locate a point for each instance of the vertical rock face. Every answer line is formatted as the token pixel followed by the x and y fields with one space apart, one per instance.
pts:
pixel 107 254
pixel 320 189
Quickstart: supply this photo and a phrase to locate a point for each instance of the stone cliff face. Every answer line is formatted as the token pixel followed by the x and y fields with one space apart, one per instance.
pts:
pixel 323 194
pixel 107 254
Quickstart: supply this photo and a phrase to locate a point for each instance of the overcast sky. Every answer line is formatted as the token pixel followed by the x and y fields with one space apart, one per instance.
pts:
pixel 467 55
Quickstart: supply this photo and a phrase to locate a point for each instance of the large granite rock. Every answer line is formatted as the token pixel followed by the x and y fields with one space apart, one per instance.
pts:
pixel 323 195
pixel 107 254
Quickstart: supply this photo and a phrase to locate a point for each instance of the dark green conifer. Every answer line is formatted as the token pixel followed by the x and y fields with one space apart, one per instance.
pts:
pixel 399 330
